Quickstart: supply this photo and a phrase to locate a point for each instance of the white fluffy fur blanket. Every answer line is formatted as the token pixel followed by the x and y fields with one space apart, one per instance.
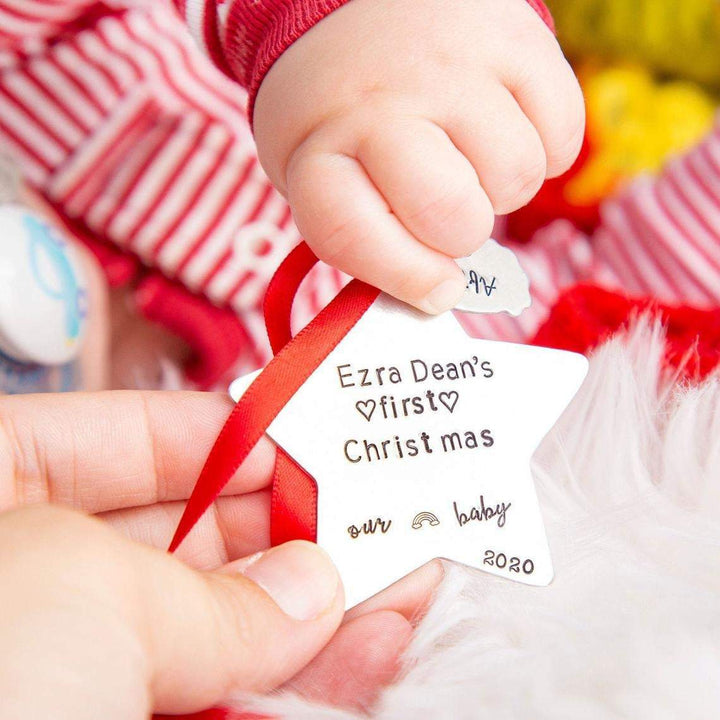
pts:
pixel 629 485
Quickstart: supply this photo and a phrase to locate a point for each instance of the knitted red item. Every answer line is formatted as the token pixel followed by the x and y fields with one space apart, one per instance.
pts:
pixel 258 33
pixel 585 315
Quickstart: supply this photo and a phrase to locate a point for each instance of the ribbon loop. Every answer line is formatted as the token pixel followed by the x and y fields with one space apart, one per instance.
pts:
pixel 281 292
pixel 295 360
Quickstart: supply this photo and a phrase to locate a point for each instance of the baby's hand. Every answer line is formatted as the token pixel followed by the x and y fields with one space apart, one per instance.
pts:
pixel 397 129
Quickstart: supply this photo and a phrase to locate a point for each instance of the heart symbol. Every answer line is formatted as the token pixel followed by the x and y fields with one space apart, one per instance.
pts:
pixel 367 407
pixel 449 399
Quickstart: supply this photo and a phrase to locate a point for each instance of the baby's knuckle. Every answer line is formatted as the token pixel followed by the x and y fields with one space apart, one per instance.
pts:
pixel 448 206
pixel 468 244
pixel 334 242
pixel 567 150
pixel 300 164
pixel 471 237
pixel 409 288
pixel 522 184
pixel 531 49
pixel 567 146
pixel 524 32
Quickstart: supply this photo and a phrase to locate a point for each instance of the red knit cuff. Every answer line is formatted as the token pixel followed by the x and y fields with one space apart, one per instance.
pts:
pixel 257 33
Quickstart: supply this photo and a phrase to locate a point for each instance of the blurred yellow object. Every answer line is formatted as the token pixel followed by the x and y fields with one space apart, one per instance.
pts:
pixel 680 37
pixel 634 123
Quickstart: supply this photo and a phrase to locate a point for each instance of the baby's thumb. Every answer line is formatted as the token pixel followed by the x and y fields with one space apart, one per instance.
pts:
pixel 250 626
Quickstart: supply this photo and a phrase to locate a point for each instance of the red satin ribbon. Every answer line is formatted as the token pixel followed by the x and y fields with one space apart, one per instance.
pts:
pixel 294 492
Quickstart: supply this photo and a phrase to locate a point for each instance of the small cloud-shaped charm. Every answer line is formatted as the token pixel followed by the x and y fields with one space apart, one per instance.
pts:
pixel 495 282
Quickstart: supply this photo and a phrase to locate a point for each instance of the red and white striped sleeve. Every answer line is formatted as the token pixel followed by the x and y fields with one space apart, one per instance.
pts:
pixel 661 236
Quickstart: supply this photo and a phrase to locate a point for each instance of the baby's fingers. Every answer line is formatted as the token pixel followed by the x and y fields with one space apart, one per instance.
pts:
pixel 348 224
pixel 432 188
pixel 548 92
pixel 503 146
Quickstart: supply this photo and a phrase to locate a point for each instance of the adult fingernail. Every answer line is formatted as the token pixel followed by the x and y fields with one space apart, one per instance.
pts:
pixel 298 576
pixel 443 297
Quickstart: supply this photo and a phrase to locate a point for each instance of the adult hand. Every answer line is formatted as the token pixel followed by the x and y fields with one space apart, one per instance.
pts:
pixel 95 623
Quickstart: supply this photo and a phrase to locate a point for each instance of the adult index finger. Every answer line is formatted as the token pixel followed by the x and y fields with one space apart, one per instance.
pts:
pixel 105 451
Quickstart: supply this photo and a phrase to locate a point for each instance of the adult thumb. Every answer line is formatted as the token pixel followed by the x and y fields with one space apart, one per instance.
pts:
pixel 249 626
pixel 94 625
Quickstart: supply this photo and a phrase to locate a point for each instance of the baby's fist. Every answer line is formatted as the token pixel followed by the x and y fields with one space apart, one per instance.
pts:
pixel 399 129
